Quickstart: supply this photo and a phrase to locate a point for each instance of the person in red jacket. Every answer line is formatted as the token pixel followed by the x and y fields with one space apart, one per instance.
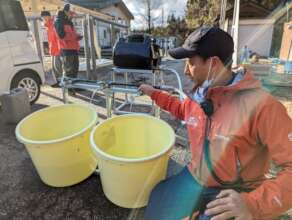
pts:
pixel 68 41
pixel 54 49
pixel 235 130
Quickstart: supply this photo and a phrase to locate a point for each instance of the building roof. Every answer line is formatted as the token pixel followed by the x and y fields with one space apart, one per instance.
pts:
pixel 101 4
pixel 281 12
pixel 250 9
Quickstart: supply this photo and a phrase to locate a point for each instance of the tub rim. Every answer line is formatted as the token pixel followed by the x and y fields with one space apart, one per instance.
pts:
pixel 107 156
pixel 24 140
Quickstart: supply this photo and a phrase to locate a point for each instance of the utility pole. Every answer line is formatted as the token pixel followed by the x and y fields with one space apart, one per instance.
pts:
pixel 149 15
pixel 162 18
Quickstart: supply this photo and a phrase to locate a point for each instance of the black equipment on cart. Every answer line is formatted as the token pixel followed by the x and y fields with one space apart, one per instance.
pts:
pixel 137 51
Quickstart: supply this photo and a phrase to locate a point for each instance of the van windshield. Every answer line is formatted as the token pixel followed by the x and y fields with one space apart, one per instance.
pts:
pixel 12 16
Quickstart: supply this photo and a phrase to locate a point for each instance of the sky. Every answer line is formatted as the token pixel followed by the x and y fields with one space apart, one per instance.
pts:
pixel 176 7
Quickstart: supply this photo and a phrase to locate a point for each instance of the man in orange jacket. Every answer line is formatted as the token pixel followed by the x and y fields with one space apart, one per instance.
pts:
pixel 54 49
pixel 235 129
pixel 68 40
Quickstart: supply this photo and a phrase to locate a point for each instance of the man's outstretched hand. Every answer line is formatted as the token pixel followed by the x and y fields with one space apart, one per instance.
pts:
pixel 147 89
pixel 228 204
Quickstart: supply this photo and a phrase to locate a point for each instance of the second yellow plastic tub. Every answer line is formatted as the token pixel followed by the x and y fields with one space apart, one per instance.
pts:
pixel 57 139
pixel 133 152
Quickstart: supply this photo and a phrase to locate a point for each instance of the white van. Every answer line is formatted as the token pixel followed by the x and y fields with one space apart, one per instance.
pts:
pixel 20 65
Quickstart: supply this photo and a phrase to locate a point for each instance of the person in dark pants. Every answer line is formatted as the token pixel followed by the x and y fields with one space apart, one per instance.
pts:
pixel 54 49
pixel 68 41
pixel 179 196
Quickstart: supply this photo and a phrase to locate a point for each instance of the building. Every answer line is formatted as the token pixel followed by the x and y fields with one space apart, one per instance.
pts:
pixel 282 34
pixel 255 27
pixel 260 28
pixel 114 8
pixel 105 33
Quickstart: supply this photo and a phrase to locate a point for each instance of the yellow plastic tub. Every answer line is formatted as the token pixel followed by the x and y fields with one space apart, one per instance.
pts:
pixel 57 139
pixel 133 152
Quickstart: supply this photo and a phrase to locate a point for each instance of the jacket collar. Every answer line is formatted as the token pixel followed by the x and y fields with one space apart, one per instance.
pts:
pixel 247 82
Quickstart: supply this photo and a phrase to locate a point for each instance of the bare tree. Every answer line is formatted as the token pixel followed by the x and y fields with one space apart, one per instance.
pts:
pixel 149 11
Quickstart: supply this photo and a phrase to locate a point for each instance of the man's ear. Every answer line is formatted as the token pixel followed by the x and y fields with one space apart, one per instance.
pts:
pixel 216 61
pixel 216 64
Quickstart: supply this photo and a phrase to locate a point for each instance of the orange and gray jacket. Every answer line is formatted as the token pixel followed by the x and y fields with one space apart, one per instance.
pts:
pixel 67 35
pixel 247 130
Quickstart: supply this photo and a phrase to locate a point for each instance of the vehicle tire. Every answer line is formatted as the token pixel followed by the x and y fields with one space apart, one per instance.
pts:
pixel 29 81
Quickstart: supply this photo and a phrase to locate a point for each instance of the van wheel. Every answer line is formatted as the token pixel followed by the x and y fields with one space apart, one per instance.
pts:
pixel 30 82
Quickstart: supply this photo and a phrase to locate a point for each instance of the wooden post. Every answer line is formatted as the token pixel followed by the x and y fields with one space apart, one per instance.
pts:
pixel 35 23
pixel 112 35
pixel 86 47
pixel 92 47
pixel 97 40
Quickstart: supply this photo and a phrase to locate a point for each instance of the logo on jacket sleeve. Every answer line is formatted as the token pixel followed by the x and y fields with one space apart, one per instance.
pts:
pixel 222 137
pixel 192 121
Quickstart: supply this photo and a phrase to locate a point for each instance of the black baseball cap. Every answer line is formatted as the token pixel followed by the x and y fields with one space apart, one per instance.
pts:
pixel 206 42
pixel 45 13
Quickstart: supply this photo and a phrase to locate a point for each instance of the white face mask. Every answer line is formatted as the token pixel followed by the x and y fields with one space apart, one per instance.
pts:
pixel 208 82
pixel 201 92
